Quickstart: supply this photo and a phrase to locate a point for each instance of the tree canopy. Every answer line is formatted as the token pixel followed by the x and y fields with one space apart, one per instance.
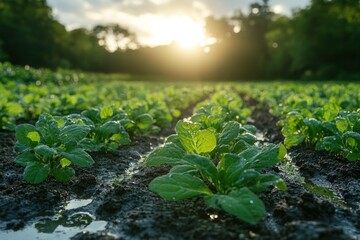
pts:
pixel 320 41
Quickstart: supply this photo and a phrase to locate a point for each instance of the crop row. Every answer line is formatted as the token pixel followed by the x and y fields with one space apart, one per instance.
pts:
pixel 27 100
pixel 214 156
pixel 326 116
pixel 55 143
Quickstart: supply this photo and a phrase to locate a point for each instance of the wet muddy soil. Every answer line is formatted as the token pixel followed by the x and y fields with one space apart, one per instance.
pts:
pixel 111 200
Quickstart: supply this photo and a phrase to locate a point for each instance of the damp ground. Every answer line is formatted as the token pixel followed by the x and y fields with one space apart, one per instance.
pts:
pixel 111 200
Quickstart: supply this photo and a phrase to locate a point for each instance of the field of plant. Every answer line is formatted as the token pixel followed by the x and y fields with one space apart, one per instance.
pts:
pixel 88 156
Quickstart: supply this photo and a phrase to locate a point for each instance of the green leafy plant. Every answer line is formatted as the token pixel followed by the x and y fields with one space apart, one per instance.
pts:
pixel 107 129
pixel 229 183
pixel 50 149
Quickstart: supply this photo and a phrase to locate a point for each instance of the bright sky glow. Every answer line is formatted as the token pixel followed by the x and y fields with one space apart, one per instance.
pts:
pixel 157 22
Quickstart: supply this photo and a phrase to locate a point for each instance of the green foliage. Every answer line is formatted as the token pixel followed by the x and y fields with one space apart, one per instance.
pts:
pixel 224 166
pixel 48 149
pixel 107 131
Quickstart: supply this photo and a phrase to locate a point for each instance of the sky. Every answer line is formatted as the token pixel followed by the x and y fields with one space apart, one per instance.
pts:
pixel 157 22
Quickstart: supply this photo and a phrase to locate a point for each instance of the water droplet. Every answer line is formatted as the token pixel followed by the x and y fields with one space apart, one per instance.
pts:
pixel 251 202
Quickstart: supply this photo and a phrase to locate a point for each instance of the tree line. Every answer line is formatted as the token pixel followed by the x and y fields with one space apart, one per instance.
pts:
pixel 320 41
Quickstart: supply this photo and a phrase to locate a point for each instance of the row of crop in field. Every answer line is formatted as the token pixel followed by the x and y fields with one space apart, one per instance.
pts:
pixel 77 118
pixel 27 99
pixel 215 157
pixel 326 116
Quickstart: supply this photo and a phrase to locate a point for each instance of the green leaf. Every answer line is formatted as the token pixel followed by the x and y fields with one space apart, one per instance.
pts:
pixel 72 134
pixel 256 181
pixel 65 162
pixel 261 157
pixel 179 186
pixel 36 172
pixel 90 145
pixel 205 166
pixel 282 152
pixel 33 136
pixel 106 112
pixel 250 128
pixel 204 141
pixel 109 128
pixel 183 169
pixel 121 138
pixel 144 121
pixel 242 203
pixel 195 140
pixel 294 139
pixel 78 157
pixel 168 154
pixel 25 158
pixel 230 132
pixel 63 174
pixel 22 134
pixel 341 124
pixel 44 150
pixel 329 143
pixel 48 128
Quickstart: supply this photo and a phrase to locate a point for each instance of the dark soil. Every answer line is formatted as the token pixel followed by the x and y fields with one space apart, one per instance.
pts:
pixel 133 212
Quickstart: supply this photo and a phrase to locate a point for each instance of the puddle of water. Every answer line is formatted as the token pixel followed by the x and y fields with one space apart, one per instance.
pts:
pixel 57 227
pixel 77 203
pixel 321 187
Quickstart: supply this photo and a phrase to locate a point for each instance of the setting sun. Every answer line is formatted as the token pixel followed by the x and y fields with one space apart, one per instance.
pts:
pixel 182 30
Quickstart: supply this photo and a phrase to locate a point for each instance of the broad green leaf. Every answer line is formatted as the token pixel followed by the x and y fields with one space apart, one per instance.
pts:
pixel 44 150
pixel 250 128
pixel 167 154
pixel 256 181
pixel 25 158
pixel 65 162
pixel 341 124
pixel 294 139
pixel 144 121
pixel 261 157
pixel 22 134
pixel 90 145
pixel 329 143
pixel 186 132
pixel 230 132
pixel 352 156
pixel 175 140
pixel 183 169
pixel 204 141
pixel 72 134
pixel 106 112
pixel 33 136
pixel 352 139
pixel 78 157
pixel 63 174
pixel 195 140
pixel 248 138
pixel 242 203
pixel 121 138
pixel 109 128
pixel 48 128
pixel 205 166
pixel 179 186
pixel 36 172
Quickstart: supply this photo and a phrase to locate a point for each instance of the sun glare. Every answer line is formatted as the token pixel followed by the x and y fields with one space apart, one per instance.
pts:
pixel 184 31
